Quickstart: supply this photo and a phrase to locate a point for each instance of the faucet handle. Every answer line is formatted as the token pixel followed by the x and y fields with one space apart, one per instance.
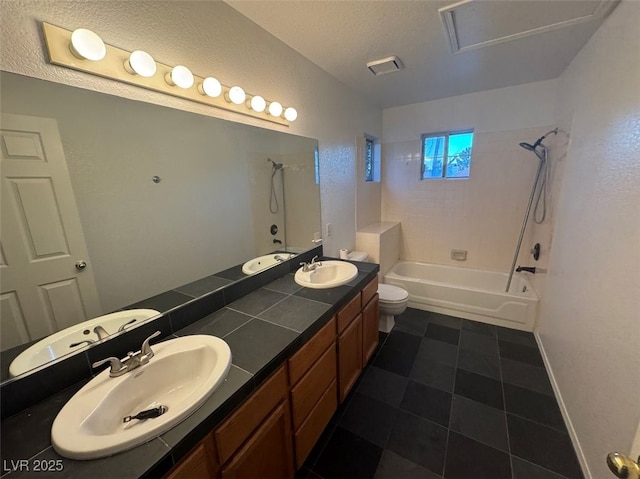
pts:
pixel 145 350
pixel 115 363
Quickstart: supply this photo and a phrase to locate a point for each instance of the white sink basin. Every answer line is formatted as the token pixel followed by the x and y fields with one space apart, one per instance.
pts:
pixel 180 376
pixel 263 262
pixel 329 275
pixel 75 337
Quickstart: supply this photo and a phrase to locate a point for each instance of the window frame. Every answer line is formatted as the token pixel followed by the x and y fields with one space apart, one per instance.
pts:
pixel 368 159
pixel 375 158
pixel 445 157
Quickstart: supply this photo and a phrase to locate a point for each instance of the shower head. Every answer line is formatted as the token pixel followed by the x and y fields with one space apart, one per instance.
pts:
pixel 538 142
pixel 276 166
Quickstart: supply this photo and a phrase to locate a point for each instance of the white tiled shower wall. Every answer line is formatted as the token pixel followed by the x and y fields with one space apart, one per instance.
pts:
pixel 482 214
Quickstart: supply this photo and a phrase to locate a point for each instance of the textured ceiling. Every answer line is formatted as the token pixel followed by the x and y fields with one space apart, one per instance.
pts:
pixel 342 36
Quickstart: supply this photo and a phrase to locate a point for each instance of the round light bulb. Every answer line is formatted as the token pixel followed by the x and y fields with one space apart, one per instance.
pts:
pixel 210 87
pixel 291 114
pixel 181 77
pixel 87 45
pixel 140 63
pixel 275 108
pixel 237 95
pixel 258 104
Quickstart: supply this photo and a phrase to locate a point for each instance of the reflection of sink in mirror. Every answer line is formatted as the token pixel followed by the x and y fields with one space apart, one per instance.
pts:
pixel 99 421
pixel 326 274
pixel 263 262
pixel 75 337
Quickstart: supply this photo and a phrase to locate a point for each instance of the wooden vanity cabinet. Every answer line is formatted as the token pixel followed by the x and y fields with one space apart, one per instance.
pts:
pixel 357 336
pixel 271 433
pixel 256 440
pixel 369 329
pixel 201 462
pixel 312 376
pixel 370 304
pixel 268 452
pixel 349 357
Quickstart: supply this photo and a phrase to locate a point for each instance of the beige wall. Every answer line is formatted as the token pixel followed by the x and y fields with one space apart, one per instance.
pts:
pixel 589 323
pixel 368 193
pixel 212 39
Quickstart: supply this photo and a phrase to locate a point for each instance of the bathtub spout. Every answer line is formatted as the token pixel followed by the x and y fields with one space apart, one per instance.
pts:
pixel 528 269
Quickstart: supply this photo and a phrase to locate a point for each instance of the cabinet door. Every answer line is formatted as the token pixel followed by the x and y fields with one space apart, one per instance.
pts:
pixel 349 357
pixel 201 463
pixel 369 329
pixel 268 453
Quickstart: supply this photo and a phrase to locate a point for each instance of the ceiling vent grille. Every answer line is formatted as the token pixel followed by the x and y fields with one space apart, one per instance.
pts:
pixel 473 24
pixel 385 65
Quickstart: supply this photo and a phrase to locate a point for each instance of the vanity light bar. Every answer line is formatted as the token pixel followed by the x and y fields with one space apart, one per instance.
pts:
pixel 87 53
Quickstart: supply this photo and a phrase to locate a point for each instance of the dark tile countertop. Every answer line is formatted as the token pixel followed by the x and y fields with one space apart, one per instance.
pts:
pixel 263 329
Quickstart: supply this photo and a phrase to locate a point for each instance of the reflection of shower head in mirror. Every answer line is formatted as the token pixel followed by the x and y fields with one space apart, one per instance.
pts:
pixel 276 166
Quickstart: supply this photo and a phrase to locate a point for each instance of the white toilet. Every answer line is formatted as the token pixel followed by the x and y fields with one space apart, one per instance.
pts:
pixel 393 299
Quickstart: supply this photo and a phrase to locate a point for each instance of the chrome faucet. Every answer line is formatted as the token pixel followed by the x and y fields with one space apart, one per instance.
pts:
pixel 101 332
pixel 132 361
pixel 281 258
pixel 121 328
pixel 307 267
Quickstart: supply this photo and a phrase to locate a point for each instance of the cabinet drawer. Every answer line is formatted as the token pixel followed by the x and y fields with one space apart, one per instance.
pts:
pixel 309 432
pixel 310 352
pixel 308 391
pixel 348 313
pixel 369 290
pixel 235 430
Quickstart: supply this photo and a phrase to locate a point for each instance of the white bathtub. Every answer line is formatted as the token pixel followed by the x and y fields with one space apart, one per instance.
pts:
pixel 467 293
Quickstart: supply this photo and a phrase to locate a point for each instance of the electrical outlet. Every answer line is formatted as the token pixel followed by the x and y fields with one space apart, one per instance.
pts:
pixel 329 229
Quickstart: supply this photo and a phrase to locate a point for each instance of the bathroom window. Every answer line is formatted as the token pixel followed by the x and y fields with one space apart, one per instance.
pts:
pixel 371 159
pixel 447 155
pixel 316 165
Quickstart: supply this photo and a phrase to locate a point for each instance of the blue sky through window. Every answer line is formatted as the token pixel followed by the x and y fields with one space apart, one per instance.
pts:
pixel 447 155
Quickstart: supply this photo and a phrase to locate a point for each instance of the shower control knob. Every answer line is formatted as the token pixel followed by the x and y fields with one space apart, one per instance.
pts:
pixel 80 265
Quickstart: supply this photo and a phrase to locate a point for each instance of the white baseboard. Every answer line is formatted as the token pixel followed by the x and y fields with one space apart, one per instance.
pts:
pixel 563 409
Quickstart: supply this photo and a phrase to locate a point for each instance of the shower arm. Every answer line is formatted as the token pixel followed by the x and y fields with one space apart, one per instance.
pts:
pixel 543 159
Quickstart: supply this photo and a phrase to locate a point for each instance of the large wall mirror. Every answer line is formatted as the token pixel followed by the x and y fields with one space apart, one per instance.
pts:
pixel 108 202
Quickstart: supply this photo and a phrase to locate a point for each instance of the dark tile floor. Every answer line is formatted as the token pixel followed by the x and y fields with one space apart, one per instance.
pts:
pixel 447 397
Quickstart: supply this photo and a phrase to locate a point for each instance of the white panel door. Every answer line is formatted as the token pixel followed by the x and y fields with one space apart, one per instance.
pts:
pixel 41 239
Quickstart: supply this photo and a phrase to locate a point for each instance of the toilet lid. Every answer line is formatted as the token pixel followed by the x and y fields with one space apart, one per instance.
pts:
pixel 388 292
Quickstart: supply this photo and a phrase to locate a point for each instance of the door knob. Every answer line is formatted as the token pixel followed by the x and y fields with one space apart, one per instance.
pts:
pixel 80 265
pixel 623 466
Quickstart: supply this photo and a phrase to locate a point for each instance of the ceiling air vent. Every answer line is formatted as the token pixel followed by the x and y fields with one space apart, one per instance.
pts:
pixel 472 24
pixel 385 65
